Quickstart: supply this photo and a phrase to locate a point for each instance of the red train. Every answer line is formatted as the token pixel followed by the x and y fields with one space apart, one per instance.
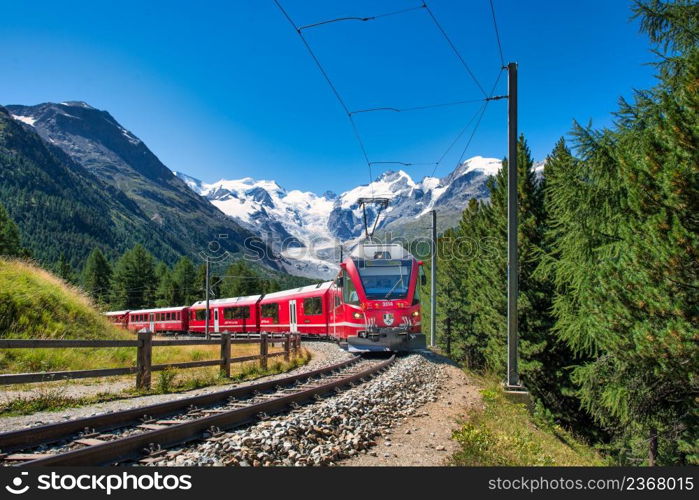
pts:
pixel 372 305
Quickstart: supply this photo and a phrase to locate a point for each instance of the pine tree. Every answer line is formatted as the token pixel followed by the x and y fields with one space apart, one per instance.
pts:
pixel 241 281
pixel 625 256
pixel 184 277
pixel 134 281
pixel 96 277
pixel 64 269
pixel 9 235
pixel 166 293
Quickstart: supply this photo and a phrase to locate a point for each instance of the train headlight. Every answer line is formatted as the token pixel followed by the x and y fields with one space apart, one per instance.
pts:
pixel 416 314
pixel 357 315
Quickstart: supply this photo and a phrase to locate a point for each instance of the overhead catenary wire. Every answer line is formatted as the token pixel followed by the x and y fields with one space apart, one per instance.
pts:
pixel 454 49
pixel 473 133
pixel 468 124
pixel 416 108
pixel 332 86
pixel 362 19
pixel 497 33
pixel 350 113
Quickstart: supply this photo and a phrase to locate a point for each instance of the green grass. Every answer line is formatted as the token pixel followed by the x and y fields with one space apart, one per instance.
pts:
pixel 49 399
pixel 52 398
pixel 506 433
pixel 35 304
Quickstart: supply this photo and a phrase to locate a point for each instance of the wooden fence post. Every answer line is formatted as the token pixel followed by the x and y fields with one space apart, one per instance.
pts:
pixel 144 355
pixel 287 346
pixel 226 355
pixel 263 351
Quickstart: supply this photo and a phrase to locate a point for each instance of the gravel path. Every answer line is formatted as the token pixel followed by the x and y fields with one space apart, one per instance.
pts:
pixel 425 438
pixel 326 432
pixel 323 354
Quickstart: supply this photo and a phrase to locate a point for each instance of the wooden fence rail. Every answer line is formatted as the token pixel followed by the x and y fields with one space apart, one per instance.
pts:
pixel 144 355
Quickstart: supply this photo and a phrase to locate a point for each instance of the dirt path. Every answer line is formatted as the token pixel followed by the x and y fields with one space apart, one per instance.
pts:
pixel 425 439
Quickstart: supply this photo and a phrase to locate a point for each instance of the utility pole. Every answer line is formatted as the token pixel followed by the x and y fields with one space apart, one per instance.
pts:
pixel 512 251
pixel 433 281
pixel 206 328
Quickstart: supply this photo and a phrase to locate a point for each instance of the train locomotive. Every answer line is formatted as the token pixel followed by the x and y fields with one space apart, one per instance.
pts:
pixel 372 305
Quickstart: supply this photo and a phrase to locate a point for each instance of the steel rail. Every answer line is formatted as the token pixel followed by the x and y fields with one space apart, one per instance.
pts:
pixel 50 433
pixel 132 446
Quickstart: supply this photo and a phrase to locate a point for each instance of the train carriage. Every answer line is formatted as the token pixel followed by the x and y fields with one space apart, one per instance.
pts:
pixel 300 310
pixel 229 315
pixel 118 318
pixel 160 320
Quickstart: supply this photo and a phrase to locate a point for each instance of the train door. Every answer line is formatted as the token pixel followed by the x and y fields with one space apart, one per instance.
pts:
pixel 151 319
pixel 293 324
pixel 216 320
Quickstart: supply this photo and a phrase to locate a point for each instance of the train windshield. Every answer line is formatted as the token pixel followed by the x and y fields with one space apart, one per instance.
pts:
pixel 384 279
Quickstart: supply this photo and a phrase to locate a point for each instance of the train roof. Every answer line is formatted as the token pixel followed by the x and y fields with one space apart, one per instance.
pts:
pixel 159 309
pixel 228 301
pixel 376 251
pixel 117 313
pixel 320 288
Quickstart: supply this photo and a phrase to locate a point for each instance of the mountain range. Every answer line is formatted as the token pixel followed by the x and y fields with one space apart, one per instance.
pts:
pixel 308 229
pixel 73 178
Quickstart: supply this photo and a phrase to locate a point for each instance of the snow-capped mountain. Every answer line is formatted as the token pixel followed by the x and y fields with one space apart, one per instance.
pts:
pixel 308 228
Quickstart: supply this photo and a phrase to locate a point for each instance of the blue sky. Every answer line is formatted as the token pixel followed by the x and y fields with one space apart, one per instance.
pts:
pixel 227 90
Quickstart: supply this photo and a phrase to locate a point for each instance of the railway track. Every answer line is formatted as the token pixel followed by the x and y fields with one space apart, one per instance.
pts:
pixel 143 434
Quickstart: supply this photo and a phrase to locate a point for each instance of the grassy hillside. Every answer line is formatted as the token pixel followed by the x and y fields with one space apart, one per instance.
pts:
pixel 36 304
pixel 506 433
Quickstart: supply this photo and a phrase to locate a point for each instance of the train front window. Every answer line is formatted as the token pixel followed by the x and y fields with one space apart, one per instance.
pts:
pixel 384 279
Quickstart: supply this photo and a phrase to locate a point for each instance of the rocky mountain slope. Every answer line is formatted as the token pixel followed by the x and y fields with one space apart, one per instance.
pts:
pixel 308 228
pixel 116 161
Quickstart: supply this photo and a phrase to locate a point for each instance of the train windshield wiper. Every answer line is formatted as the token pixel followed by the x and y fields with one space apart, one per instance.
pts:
pixel 399 280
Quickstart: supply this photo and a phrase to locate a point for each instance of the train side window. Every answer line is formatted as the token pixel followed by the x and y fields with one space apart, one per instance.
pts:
pixel 201 314
pixel 270 311
pixel 236 313
pixel 349 292
pixel 312 306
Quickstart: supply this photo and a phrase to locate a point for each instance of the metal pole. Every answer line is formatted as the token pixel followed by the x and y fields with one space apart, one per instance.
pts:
pixel 512 254
pixel 433 281
pixel 206 315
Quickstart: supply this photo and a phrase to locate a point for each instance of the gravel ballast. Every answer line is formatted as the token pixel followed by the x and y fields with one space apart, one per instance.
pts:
pixel 341 426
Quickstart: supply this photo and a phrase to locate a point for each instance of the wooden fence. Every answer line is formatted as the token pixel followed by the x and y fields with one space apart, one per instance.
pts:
pixel 144 354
